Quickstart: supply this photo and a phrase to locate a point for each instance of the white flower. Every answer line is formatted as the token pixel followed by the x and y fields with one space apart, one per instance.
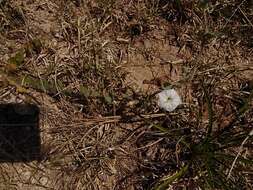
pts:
pixel 169 99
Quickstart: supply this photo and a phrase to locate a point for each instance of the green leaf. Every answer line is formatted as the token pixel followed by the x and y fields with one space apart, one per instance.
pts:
pixel 165 182
pixel 36 45
pixel 203 4
pixel 18 59
pixel 160 128
pixel 232 157
pixel 32 46
pixel 84 91
pixel 167 86
pixel 108 99
pixel 94 93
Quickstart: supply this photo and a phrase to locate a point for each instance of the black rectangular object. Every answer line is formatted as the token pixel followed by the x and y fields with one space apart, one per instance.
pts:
pixel 19 133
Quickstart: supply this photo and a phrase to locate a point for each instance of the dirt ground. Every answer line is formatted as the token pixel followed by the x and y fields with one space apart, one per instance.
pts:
pixel 94 67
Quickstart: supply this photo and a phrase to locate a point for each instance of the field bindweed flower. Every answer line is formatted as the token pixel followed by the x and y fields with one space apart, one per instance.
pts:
pixel 168 99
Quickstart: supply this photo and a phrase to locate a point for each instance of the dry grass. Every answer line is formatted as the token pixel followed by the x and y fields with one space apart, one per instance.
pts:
pixel 93 67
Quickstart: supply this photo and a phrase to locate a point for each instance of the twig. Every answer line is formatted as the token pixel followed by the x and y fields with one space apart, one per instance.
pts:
pixel 246 17
pixel 112 119
pixel 238 154
pixel 234 13
pixel 210 112
pixel 79 35
pixel 162 62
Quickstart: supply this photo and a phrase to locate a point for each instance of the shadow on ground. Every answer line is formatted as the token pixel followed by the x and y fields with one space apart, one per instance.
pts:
pixel 19 133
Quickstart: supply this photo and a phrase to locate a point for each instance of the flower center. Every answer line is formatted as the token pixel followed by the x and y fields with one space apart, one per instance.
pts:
pixel 169 99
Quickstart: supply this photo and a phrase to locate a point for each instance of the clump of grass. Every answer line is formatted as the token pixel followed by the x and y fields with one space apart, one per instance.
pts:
pixel 209 154
pixel 198 152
